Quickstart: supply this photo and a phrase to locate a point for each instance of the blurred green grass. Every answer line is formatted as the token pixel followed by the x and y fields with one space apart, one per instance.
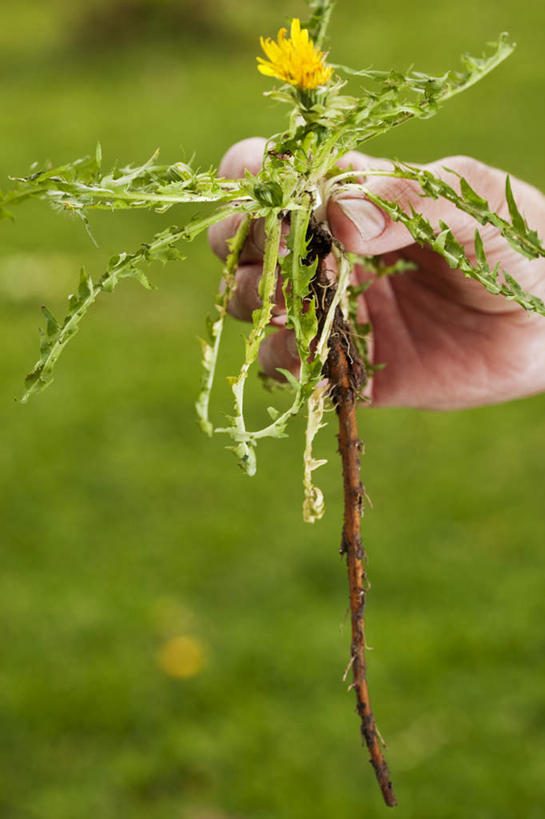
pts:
pixel 122 527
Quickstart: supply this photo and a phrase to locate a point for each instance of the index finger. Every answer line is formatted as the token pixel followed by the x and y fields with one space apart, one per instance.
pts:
pixel 246 155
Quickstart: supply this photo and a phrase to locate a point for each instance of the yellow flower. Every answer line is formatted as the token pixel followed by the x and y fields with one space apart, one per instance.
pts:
pixel 181 657
pixel 295 60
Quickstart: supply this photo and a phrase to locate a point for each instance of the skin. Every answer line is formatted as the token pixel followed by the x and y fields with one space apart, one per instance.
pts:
pixel 446 342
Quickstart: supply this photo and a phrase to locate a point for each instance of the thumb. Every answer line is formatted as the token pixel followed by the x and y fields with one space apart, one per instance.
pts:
pixel 365 229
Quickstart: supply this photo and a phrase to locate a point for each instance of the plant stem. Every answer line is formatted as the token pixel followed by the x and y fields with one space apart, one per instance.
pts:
pixel 346 374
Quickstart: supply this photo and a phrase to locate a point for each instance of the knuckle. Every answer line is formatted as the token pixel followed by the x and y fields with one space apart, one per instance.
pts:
pixel 247 154
pixel 463 164
pixel 356 159
pixel 245 298
pixel 219 233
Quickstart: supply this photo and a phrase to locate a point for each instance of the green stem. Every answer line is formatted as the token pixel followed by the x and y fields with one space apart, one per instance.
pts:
pixel 210 351
pixel 261 318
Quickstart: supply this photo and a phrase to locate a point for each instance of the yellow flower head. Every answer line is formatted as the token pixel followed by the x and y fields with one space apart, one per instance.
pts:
pixel 181 657
pixel 295 60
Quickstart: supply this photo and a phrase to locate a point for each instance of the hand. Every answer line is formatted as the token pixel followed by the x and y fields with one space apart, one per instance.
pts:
pixel 446 342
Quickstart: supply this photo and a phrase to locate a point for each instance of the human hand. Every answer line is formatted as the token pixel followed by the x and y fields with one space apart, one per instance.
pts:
pixel 446 342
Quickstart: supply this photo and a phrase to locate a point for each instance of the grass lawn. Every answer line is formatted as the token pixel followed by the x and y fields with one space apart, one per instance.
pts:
pixel 123 527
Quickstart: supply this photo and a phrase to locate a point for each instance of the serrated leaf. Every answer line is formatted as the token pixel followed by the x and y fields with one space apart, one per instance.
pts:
pixel 319 20
pixel 85 288
pixel 121 266
pixel 479 251
pixel 517 219
pixel 447 246
pixel 517 233
pixel 52 325
pixel 471 196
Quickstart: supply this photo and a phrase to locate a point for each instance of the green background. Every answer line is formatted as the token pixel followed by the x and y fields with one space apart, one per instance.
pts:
pixel 122 526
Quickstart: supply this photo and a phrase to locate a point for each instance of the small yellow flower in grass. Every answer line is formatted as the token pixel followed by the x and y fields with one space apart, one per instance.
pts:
pixel 181 657
pixel 295 60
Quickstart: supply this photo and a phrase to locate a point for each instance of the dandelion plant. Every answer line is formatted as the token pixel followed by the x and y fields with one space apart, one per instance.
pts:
pixel 300 172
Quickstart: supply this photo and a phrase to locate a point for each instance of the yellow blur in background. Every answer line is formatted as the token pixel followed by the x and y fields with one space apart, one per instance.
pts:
pixel 181 657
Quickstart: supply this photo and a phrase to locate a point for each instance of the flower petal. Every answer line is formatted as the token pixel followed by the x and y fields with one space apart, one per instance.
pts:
pixel 295 60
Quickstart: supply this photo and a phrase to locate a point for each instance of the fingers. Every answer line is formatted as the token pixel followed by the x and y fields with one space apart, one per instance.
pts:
pixel 246 155
pixel 245 298
pixel 279 350
pixel 365 229
pixel 219 233
pixel 243 156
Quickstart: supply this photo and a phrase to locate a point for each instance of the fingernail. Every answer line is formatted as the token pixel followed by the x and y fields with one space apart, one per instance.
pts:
pixel 278 310
pixel 368 220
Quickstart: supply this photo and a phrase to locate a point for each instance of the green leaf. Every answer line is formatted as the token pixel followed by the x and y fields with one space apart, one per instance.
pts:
pixel 517 219
pixel 392 98
pixel 269 194
pixel 447 246
pixel 479 251
pixel 80 186
pixel 52 325
pixel 215 326
pixel 319 20
pixel 121 266
pixel 517 233
pixel 290 378
pixel 472 197
pixel 313 503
